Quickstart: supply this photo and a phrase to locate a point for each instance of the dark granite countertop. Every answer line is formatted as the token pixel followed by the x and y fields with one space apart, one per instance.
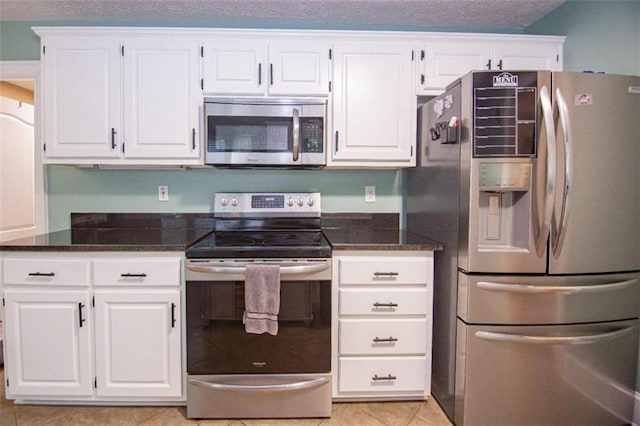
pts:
pixel 177 232
pixel 120 232
pixel 376 231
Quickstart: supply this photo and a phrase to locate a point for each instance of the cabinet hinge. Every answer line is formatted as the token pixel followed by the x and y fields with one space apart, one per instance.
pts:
pixel 7 382
pixel 202 51
pixel 330 53
pixel 413 55
pixel 3 301
pixel 557 58
pixel 44 147
pixel 329 86
pixel 202 83
pixel 123 147
pixel 44 49
pixel 411 152
pixel 122 50
pixel 422 55
pixel 95 383
pixel 93 301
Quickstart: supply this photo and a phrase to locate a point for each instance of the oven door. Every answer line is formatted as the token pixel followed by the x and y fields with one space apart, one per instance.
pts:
pixel 265 133
pixel 217 342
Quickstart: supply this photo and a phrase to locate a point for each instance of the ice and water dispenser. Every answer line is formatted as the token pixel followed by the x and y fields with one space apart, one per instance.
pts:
pixel 504 148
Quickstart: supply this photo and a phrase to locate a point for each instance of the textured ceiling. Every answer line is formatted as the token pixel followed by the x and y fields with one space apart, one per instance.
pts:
pixel 487 14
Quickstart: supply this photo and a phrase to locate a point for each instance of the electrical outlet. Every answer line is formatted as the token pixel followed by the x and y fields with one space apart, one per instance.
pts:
pixel 163 193
pixel 370 194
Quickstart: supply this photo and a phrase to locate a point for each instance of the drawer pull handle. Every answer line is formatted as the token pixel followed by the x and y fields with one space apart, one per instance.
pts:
pixel 386 274
pixel 385 305
pixel 385 340
pixel 42 274
pixel 376 378
pixel 133 275
pixel 80 306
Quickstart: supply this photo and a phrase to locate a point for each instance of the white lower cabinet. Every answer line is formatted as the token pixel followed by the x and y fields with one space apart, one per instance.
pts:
pixel 93 327
pixel 47 343
pixel 137 343
pixel 382 341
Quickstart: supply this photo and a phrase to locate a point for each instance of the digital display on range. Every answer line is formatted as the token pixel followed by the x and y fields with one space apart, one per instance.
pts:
pixel 267 201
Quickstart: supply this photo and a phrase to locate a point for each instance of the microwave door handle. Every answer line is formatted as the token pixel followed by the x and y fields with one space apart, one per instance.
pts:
pixel 296 134
pixel 550 183
pixel 563 112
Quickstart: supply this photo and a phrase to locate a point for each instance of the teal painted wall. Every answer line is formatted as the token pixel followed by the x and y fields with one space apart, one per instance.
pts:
pixel 601 35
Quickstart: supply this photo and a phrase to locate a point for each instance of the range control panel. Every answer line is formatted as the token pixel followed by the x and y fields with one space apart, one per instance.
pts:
pixel 268 203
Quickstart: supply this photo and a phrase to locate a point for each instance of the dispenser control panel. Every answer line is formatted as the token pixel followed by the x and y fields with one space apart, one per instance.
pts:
pixel 500 177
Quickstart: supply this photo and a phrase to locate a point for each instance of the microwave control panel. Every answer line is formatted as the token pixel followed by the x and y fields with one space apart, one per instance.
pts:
pixel 312 134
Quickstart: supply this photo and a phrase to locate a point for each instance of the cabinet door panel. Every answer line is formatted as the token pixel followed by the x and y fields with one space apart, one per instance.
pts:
pixel 138 343
pixel 234 67
pixel 444 62
pixel 374 103
pixel 299 68
pixel 47 348
pixel 161 99
pixel 528 56
pixel 81 79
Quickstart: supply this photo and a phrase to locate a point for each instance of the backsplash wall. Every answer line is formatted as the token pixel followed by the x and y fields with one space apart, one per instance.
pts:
pixel 73 189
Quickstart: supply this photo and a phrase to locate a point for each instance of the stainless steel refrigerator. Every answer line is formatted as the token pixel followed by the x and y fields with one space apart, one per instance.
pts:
pixel 532 182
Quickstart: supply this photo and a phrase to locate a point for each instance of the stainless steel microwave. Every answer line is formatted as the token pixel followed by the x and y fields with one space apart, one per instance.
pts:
pixel 265 132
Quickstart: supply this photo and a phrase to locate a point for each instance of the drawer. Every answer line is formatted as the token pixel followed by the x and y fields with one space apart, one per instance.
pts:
pixel 383 270
pixel 382 375
pixel 46 272
pixel 125 272
pixel 384 302
pixel 383 337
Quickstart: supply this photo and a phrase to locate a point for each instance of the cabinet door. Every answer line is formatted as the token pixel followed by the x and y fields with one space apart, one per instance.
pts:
pixel 443 62
pixel 138 343
pixel 528 56
pixel 81 95
pixel 299 68
pixel 234 67
pixel 48 343
pixel 374 104
pixel 161 99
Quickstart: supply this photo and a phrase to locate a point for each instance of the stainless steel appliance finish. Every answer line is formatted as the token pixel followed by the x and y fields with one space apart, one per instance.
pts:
pixel 530 180
pixel 234 374
pixel 265 132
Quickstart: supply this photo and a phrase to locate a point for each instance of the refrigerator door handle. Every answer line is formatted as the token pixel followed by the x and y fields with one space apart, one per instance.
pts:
pixel 527 288
pixel 554 340
pixel 550 187
pixel 561 230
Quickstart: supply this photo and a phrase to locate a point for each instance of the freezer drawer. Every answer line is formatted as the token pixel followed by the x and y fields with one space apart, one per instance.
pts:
pixel 486 299
pixel 546 375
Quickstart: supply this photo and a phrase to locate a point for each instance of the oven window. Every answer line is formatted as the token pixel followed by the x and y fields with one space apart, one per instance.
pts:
pixel 218 344
pixel 249 134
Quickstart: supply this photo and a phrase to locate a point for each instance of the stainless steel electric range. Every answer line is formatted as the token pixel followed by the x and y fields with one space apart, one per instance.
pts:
pixel 235 374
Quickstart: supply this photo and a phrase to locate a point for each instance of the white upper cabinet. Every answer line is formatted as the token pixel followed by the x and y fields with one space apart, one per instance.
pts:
pixel 81 95
pixel 374 104
pixel 444 58
pixel 161 99
pixel 276 67
pixel 117 98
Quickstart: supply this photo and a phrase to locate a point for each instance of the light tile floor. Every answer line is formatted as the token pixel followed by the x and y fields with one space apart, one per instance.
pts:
pixel 414 413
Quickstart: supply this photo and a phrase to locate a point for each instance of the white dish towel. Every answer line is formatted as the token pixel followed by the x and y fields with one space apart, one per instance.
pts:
pixel 261 299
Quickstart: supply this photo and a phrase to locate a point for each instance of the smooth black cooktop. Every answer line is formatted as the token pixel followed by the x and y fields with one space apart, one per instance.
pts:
pixel 287 244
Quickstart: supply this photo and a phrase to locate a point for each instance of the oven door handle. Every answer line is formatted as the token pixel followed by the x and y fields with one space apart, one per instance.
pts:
pixel 304 384
pixel 284 270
